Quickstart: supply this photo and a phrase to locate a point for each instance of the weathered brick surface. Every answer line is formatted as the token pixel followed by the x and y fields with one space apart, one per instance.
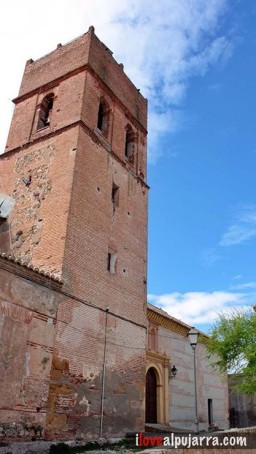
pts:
pixel 123 230
pixel 27 319
pixel 64 221
pixel 85 50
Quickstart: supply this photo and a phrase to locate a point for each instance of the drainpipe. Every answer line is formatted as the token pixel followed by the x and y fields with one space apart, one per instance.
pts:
pixel 103 375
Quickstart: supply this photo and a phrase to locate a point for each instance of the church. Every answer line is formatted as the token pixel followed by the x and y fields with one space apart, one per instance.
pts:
pixel 73 252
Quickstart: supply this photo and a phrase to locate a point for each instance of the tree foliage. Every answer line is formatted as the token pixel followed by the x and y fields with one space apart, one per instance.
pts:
pixel 232 347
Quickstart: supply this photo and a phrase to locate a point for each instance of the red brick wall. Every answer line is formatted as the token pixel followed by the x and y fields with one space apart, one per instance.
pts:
pixel 68 224
pixel 27 321
pixel 67 106
pixel 85 50
pixel 94 227
pixel 76 385
pixel 56 64
pixel 116 80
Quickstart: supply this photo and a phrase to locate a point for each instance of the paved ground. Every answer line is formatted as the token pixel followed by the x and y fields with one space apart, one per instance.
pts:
pixel 44 447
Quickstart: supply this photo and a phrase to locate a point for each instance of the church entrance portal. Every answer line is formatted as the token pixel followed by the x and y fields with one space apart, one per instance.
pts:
pixel 151 396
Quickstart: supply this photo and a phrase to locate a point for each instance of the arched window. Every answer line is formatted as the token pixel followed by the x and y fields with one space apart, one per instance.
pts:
pixel 130 144
pixel 152 339
pixel 45 112
pixel 103 117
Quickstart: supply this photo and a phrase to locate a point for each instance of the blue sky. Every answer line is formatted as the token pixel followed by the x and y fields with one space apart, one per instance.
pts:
pixel 202 226
pixel 196 63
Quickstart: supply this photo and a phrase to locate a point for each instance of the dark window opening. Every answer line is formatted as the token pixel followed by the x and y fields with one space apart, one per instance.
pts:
pixel 109 261
pixel 210 417
pixel 103 117
pixel 115 195
pixel 111 265
pixel 130 145
pixel 100 117
pixel 2 220
pixel 45 112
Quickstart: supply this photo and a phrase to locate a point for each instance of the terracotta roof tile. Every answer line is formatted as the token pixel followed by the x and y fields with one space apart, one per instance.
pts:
pixel 19 261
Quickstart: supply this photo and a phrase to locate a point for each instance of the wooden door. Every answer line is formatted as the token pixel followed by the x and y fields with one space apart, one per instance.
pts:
pixel 151 396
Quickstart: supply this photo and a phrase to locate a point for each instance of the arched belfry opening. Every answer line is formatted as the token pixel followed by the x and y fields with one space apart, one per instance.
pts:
pixel 103 117
pixel 44 117
pixel 151 396
pixel 130 144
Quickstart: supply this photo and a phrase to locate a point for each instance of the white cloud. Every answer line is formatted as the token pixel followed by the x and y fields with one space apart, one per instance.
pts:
pixel 162 45
pixel 237 234
pixel 246 285
pixel 237 277
pixel 201 307
pixel 210 257
pixel 243 229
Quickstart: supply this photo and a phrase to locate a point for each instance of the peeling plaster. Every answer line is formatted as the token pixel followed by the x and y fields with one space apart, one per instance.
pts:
pixel 91 371
pixel 27 360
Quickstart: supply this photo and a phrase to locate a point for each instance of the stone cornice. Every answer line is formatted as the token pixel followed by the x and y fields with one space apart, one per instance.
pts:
pixel 166 322
pixel 170 323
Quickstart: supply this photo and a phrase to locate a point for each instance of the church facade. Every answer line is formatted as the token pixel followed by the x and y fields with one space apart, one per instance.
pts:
pixel 170 398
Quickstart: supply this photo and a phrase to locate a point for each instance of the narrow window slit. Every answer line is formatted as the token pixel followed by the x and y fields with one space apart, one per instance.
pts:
pixel 115 195
pixel 130 144
pixel 111 264
pixel 103 117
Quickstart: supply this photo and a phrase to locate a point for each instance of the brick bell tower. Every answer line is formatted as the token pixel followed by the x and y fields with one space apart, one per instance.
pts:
pixel 74 202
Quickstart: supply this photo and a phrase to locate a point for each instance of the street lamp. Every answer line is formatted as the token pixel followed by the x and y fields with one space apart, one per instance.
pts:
pixel 172 372
pixel 193 337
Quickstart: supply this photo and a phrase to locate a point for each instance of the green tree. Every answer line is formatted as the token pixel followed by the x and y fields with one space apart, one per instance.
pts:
pixel 232 348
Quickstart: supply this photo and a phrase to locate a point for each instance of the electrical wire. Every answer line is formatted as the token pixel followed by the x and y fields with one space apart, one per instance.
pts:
pixel 87 303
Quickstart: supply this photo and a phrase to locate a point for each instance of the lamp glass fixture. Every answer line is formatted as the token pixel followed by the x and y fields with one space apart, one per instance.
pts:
pixel 193 336
pixel 172 372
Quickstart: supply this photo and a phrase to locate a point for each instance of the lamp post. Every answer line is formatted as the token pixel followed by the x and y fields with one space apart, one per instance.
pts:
pixel 193 337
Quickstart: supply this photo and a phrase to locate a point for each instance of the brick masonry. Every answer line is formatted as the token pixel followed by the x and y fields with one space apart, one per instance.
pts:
pixel 64 222
pixel 28 317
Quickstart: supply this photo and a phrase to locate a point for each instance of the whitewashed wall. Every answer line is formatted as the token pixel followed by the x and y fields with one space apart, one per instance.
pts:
pixel 210 384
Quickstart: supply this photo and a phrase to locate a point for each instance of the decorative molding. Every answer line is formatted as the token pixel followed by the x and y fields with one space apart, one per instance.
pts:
pixel 158 357
pixel 167 322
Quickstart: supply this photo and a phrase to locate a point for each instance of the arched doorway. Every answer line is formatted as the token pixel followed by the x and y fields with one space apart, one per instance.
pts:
pixel 151 396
